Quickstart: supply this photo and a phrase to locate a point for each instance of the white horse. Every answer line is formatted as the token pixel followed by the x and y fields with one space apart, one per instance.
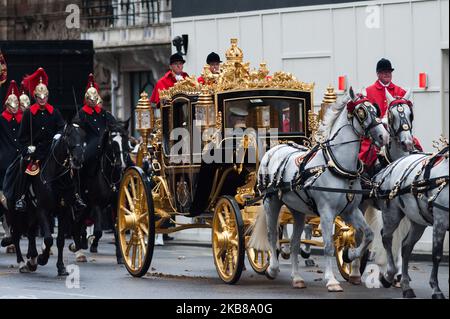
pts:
pixel 398 120
pixel 335 165
pixel 415 186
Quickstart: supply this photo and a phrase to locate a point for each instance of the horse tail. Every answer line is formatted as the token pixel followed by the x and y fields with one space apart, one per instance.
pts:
pixel 259 239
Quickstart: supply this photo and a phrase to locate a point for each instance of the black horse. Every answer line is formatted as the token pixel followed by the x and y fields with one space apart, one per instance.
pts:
pixel 100 190
pixel 53 191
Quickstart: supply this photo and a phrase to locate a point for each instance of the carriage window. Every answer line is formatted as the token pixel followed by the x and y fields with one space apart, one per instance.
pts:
pixel 284 114
pixel 166 128
pixel 181 114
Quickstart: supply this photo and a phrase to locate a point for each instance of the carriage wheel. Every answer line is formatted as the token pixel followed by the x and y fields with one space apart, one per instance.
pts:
pixel 136 221
pixel 259 260
pixel 345 239
pixel 228 240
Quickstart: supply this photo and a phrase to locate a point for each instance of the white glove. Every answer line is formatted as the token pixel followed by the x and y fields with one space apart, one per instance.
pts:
pixel 56 137
pixel 31 149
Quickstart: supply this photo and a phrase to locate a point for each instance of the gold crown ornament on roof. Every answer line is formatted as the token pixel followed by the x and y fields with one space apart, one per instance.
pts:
pixel 234 54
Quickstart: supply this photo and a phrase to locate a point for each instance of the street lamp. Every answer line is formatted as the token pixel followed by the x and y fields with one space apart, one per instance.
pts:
pixel 145 123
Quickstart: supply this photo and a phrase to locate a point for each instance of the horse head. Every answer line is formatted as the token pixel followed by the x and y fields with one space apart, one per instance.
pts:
pixel 365 118
pixel 119 142
pixel 74 137
pixel 399 120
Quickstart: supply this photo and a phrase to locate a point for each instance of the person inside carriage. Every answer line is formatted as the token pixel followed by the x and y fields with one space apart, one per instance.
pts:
pixel 376 93
pixel 213 60
pixel 41 125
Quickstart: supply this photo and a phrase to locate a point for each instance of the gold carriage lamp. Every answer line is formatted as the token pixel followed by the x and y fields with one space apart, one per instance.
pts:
pixel 144 124
pixel 205 112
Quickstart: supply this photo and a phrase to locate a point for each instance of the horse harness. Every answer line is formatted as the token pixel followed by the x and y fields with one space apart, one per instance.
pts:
pixel 419 188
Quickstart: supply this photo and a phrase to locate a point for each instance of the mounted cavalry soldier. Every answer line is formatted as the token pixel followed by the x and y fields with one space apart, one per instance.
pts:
pixel 41 125
pixel 9 145
pixel 94 120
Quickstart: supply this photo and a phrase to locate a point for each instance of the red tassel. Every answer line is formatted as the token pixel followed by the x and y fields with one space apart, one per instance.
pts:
pixel 31 81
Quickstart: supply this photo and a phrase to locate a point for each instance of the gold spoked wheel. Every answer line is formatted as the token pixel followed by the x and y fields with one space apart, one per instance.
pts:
pixel 228 240
pixel 344 238
pixel 259 260
pixel 136 221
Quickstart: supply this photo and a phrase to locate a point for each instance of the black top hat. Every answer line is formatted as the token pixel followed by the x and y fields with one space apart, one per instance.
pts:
pixel 176 58
pixel 384 65
pixel 213 57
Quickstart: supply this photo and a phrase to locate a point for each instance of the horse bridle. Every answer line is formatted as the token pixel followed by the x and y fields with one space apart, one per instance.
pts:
pixel 114 162
pixel 360 109
pixel 405 125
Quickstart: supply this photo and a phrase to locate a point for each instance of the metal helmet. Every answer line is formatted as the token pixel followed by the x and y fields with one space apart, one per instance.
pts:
pixel 92 91
pixel 12 101
pixel 24 101
pixel 92 94
pixel 37 83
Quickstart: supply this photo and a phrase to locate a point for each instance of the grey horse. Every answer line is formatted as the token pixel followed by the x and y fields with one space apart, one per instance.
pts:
pixel 333 164
pixel 415 186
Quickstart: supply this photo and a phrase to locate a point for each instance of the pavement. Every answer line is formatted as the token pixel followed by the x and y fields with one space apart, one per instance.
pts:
pixel 181 270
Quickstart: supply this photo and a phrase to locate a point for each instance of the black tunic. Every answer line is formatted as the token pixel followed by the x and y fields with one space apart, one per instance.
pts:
pixel 95 125
pixel 10 147
pixel 44 126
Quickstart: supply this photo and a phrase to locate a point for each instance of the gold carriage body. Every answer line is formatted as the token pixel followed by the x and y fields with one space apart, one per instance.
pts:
pixel 213 175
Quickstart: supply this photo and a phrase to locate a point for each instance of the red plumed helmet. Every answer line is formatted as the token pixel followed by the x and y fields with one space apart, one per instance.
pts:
pixel 92 90
pixel 12 96
pixel 37 83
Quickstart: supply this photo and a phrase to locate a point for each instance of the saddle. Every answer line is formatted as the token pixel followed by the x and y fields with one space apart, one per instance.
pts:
pixel 33 168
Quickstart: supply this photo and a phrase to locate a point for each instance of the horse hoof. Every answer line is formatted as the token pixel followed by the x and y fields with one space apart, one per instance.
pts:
pixel 304 254
pixel 299 284
pixel 72 247
pixel 81 258
pixel 23 268
pixel 93 249
pixel 409 294
pixel 11 249
pixel 31 267
pixel 335 288
pixel 345 256
pixel 355 280
pixel 269 276
pixel 438 296
pixel 384 282
pixel 42 260
pixel 62 272
pixel 6 241
pixel 285 255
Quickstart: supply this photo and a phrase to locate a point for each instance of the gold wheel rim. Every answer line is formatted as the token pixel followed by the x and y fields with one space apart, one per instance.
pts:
pixel 259 260
pixel 343 240
pixel 133 221
pixel 225 240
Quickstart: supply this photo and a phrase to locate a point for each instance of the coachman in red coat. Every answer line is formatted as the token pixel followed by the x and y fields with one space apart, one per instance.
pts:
pixel 376 93
pixel 170 78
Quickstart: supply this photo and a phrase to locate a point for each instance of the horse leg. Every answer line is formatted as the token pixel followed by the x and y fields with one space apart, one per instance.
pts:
pixel 32 249
pixel 364 237
pixel 439 229
pixel 48 239
pixel 410 241
pixel 16 241
pixel 97 229
pixel 272 206
pixel 60 240
pixel 391 220
pixel 327 225
pixel 299 223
